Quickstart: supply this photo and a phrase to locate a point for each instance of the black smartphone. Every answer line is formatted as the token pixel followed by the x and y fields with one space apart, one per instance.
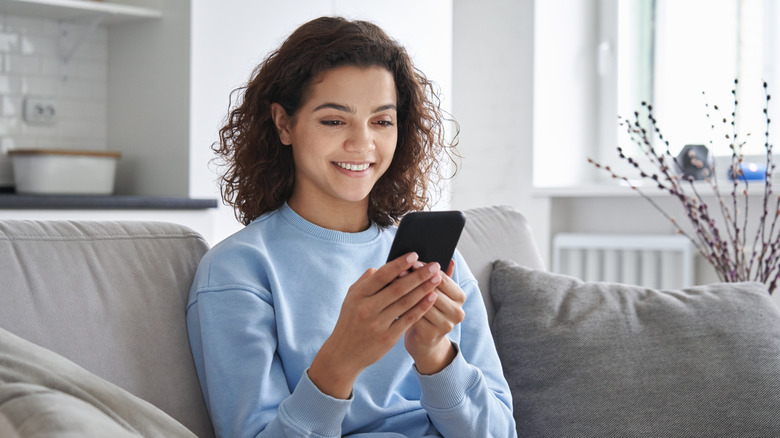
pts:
pixel 433 235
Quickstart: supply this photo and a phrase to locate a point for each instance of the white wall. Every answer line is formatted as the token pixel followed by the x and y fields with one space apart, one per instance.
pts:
pixel 148 112
pixel 230 37
pixel 564 111
pixel 493 95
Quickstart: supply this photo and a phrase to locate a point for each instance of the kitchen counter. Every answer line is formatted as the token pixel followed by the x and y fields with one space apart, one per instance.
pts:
pixel 99 202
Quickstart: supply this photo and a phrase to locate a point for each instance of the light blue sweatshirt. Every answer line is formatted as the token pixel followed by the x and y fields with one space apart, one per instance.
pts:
pixel 263 302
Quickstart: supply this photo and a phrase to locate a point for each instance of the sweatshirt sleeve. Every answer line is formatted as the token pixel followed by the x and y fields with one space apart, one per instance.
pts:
pixel 233 339
pixel 470 397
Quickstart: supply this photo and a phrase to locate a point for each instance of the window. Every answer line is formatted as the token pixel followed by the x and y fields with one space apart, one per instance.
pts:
pixel 602 58
pixel 671 51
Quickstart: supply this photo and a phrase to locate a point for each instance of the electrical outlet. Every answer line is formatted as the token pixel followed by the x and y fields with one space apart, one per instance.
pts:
pixel 40 110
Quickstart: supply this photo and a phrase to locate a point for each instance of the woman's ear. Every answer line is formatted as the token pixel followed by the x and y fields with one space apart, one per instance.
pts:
pixel 282 121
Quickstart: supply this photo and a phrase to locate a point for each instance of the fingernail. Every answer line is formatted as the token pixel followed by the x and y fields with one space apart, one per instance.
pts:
pixel 434 267
pixel 418 265
pixel 412 257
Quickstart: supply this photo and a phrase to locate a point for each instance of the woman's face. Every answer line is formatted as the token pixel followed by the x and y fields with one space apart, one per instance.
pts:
pixel 343 136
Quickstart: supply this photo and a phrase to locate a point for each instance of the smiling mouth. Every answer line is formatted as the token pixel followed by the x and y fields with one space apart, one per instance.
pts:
pixel 353 167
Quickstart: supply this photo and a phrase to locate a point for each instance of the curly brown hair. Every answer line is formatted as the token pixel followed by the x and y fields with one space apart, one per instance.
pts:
pixel 260 172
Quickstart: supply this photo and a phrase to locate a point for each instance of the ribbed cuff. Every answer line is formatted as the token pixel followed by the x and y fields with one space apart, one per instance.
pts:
pixel 313 411
pixel 447 388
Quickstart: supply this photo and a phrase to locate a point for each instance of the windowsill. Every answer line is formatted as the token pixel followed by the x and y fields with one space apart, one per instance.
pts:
pixel 12 201
pixel 611 190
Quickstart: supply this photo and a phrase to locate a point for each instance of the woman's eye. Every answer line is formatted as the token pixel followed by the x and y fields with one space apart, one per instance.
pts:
pixel 331 122
pixel 385 123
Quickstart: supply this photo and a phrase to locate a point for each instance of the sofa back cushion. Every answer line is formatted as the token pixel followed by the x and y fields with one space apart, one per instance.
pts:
pixel 607 359
pixel 493 233
pixel 110 296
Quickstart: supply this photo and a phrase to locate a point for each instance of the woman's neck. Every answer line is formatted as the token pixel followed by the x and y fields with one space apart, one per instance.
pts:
pixel 348 217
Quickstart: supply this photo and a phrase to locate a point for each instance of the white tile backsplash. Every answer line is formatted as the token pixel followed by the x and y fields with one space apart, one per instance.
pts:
pixel 18 64
pixel 10 106
pixel 31 64
pixel 39 45
pixel 8 42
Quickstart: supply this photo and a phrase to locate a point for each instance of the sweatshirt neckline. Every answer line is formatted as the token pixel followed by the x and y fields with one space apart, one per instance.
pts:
pixel 368 235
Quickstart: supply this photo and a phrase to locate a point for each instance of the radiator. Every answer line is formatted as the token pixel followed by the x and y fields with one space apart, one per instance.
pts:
pixel 656 261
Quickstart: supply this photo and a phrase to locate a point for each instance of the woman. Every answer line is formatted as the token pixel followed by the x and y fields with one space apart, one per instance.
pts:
pixel 297 325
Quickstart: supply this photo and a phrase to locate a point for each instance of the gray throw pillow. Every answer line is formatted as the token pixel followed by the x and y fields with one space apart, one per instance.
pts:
pixel 604 359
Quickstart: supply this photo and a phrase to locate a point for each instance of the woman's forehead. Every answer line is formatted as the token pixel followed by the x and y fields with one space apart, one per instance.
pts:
pixel 349 86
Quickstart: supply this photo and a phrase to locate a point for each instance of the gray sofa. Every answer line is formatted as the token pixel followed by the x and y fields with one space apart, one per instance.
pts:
pixel 93 339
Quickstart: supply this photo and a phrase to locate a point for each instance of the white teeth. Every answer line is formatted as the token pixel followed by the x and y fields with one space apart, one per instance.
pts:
pixel 354 167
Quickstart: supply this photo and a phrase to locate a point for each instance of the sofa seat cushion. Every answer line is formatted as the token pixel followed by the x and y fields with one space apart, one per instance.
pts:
pixel 603 359
pixel 42 394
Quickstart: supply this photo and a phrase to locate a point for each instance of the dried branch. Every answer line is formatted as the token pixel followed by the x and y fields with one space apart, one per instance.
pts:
pixel 724 245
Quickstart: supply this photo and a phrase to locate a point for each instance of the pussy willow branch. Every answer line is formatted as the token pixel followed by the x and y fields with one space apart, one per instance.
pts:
pixel 725 250
pixel 741 245
pixel 761 233
pixel 695 207
pixel 725 211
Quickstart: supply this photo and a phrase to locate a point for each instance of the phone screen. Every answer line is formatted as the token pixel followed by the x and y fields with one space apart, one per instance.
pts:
pixel 433 235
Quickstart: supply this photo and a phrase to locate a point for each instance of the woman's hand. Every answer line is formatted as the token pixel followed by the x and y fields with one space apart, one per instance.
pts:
pixel 426 340
pixel 378 309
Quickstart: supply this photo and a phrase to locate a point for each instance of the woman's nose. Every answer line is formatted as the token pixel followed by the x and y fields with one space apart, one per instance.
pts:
pixel 359 140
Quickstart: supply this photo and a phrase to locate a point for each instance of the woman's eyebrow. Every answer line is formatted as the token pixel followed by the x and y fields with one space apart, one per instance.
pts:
pixel 346 109
pixel 389 106
pixel 335 106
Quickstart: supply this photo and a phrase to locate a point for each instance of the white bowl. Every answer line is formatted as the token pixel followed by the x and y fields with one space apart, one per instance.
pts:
pixel 64 171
